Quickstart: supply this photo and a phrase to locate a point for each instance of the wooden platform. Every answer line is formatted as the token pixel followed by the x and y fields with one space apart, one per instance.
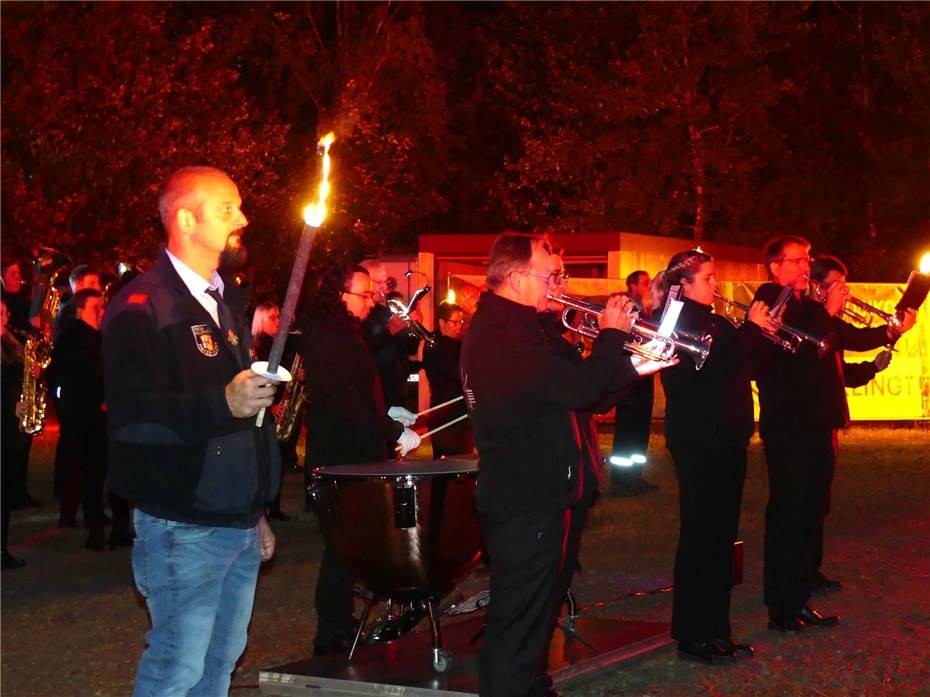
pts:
pixel 403 668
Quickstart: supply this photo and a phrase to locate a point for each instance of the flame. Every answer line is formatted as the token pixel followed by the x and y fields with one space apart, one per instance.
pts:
pixel 925 263
pixel 450 296
pixel 315 213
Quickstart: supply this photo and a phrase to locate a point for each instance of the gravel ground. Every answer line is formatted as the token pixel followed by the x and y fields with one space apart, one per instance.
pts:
pixel 72 624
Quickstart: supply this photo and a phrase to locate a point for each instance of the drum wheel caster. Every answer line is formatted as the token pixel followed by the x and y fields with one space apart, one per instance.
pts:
pixel 442 660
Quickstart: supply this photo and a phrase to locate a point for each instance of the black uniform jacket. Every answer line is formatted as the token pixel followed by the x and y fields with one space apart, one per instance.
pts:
pixel 551 323
pixel 803 392
pixel 347 421
pixel 521 394
pixel 77 365
pixel 176 451
pixel 441 363
pixel 711 407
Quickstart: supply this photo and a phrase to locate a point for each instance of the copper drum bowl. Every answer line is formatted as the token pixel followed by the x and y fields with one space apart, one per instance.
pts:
pixel 405 529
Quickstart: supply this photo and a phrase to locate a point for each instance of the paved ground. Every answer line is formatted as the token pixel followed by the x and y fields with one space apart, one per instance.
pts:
pixel 72 625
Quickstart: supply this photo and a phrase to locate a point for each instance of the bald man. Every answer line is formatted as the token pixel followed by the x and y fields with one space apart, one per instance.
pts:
pixel 183 445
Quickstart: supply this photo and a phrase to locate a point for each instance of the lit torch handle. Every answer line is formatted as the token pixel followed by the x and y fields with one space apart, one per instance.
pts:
pixel 314 215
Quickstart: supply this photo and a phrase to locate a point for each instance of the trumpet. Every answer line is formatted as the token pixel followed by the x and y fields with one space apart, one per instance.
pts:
pixel 788 338
pixel 664 348
pixel 398 309
pixel 864 313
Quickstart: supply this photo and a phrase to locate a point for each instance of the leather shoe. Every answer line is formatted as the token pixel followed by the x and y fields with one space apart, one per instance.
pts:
pixel 786 623
pixel 96 542
pixel 735 647
pixel 11 562
pixel 332 648
pixel 821 585
pixel 810 616
pixel 706 651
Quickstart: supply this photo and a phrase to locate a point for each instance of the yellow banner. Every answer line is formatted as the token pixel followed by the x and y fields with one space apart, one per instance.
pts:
pixel 902 391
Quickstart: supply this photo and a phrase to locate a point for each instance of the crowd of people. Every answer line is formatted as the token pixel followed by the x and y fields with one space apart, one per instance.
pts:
pixel 155 396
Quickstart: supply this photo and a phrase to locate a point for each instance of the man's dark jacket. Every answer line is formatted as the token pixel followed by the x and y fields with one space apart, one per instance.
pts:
pixel 176 451
pixel 521 394
pixel 347 421
pixel 802 392
pixel 77 364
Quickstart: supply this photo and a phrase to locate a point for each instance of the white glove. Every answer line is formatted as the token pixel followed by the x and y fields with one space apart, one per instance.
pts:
pixel 409 440
pixel 407 418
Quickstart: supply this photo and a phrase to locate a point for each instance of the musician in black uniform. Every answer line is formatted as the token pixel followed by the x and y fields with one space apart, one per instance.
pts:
pixel 633 419
pixel 708 424
pixel 388 338
pixel 14 443
pixel 441 363
pixel 802 402
pixel 828 274
pixel 521 394
pixel 347 420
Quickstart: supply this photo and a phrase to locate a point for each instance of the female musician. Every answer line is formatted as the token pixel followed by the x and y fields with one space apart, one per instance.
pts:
pixel 441 362
pixel 15 443
pixel 265 323
pixel 708 424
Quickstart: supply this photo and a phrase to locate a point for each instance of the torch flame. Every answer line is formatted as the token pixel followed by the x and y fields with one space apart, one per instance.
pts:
pixel 925 263
pixel 315 213
pixel 450 296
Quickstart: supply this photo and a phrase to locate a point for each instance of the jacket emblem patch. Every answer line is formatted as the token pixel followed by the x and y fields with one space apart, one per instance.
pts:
pixel 206 344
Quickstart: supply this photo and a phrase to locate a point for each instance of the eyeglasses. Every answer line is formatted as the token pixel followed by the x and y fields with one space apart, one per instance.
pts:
pixel 454 321
pixel 556 278
pixel 366 296
pixel 797 260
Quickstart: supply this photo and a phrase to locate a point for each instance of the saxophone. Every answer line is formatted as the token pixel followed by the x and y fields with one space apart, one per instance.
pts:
pixel 37 354
pixel 295 394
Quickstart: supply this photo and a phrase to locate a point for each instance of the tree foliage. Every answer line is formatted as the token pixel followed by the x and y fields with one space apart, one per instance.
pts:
pixel 704 120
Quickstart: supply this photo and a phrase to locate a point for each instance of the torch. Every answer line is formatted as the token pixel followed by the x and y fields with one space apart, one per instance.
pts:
pixel 314 215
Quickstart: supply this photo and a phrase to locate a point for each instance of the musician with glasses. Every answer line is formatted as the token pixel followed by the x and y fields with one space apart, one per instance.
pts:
pixel 387 336
pixel 521 394
pixel 441 363
pixel 802 404
pixel 828 286
pixel 708 424
pixel 347 421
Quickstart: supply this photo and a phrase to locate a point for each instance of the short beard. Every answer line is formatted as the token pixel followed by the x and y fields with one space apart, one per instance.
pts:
pixel 235 255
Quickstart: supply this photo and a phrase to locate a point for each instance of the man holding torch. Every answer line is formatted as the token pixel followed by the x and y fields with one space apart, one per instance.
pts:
pixel 183 445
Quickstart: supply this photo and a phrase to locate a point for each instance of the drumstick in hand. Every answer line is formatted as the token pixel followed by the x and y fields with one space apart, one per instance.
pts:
pixel 440 406
pixel 440 428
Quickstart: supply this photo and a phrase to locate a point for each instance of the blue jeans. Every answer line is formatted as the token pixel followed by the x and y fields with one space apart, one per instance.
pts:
pixel 199 584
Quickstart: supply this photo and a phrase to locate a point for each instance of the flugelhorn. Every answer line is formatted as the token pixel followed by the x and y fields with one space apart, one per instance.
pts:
pixel 662 348
pixel 787 337
pixel 863 314
pixel 398 309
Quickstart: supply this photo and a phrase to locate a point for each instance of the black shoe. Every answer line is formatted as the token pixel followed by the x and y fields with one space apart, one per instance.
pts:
pixel 278 514
pixel 96 542
pixel 813 618
pixel 11 562
pixel 706 651
pixel 821 585
pixel 735 646
pixel 122 539
pixel 787 622
pixel 331 648
pixel 68 522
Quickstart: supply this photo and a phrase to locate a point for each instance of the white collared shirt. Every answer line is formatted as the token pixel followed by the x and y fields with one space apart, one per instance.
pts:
pixel 198 286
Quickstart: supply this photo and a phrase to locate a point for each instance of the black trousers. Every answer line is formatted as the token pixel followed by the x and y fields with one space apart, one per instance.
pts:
pixel 87 468
pixel 14 459
pixel 333 600
pixel 525 556
pixel 710 490
pixel 632 425
pixel 800 468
